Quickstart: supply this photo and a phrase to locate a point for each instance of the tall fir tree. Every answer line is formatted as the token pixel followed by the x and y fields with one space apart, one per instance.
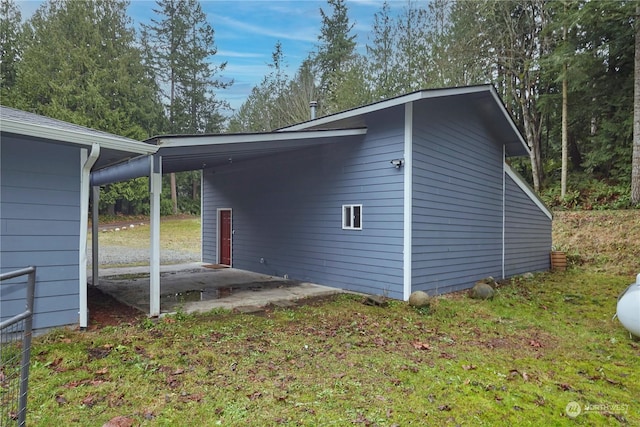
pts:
pixel 335 52
pixel 81 64
pixel 412 27
pixel 382 54
pixel 180 46
pixel 10 45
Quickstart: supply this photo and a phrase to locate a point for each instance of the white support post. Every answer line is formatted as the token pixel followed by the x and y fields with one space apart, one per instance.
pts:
pixel 155 183
pixel 95 197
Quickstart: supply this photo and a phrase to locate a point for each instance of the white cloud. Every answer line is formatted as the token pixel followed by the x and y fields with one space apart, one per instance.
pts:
pixel 299 34
pixel 236 54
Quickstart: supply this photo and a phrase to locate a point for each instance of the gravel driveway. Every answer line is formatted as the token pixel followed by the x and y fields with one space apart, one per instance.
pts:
pixel 111 255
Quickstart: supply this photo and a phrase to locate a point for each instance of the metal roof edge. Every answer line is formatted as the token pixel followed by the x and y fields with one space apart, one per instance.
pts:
pixel 73 136
pixel 388 103
pixel 169 141
pixel 509 119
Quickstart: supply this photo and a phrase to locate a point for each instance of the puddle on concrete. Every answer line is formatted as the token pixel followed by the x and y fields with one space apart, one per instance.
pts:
pixel 207 294
pixel 193 295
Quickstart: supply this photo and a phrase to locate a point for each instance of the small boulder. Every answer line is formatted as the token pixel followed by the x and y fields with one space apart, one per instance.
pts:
pixel 419 299
pixel 488 280
pixel 481 290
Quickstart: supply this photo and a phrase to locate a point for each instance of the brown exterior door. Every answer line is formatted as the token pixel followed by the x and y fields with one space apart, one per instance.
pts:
pixel 225 237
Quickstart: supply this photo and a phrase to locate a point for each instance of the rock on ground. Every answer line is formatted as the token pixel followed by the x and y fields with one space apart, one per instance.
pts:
pixel 481 290
pixel 419 299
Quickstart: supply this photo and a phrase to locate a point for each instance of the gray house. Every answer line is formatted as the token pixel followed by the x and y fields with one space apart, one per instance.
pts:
pixel 45 167
pixel 411 193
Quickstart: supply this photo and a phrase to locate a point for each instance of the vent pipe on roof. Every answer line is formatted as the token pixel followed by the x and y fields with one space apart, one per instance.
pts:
pixel 312 106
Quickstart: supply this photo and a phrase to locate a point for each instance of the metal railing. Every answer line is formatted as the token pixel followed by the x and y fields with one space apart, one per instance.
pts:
pixel 15 353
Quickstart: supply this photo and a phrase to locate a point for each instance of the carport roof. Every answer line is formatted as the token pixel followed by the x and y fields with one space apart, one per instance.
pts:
pixel 192 152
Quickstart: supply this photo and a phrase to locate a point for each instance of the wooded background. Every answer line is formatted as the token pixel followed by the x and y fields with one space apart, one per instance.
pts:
pixel 566 71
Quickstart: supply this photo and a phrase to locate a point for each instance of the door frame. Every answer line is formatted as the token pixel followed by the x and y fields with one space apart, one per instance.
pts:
pixel 218 240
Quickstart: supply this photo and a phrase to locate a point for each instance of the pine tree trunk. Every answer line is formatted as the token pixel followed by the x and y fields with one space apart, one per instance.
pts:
pixel 565 134
pixel 195 185
pixel 533 141
pixel 174 194
pixel 635 168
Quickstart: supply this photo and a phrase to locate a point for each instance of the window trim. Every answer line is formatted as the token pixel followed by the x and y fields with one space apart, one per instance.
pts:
pixel 350 224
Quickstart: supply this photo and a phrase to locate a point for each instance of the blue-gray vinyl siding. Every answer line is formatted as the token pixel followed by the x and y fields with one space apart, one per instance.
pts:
pixel 527 233
pixel 287 210
pixel 40 225
pixel 457 199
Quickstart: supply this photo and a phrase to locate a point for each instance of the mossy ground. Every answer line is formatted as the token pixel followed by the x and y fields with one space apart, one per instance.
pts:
pixel 518 359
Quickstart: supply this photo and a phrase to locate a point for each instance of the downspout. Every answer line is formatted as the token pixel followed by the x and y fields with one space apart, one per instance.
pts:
pixel 504 205
pixel 85 178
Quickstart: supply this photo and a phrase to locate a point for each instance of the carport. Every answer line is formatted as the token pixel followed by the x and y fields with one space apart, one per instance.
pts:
pixel 178 153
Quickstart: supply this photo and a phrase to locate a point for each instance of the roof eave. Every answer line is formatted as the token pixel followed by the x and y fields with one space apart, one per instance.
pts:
pixel 221 139
pixel 75 137
pixel 520 139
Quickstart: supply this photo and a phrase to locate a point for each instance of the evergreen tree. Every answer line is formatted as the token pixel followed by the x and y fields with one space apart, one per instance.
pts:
pixel 412 26
pixel 508 39
pixel 180 45
pixel 254 115
pixel 300 91
pixel 10 44
pixel 354 87
pixel 277 101
pixel 382 55
pixel 80 64
pixel 596 60
pixel 335 52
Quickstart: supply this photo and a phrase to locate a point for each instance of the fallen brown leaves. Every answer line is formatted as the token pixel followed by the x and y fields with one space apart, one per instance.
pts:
pixel 419 345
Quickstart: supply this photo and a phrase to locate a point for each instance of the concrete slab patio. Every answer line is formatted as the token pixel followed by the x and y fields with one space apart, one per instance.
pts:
pixel 198 287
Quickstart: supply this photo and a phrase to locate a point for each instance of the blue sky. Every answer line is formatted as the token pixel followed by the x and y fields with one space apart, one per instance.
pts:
pixel 246 32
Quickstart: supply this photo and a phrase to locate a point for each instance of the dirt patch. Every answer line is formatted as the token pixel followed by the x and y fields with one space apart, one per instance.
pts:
pixel 104 310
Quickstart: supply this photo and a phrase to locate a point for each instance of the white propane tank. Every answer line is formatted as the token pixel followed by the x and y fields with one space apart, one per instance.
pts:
pixel 628 310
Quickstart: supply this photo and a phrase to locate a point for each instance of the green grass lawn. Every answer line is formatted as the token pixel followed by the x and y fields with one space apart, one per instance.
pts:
pixel 182 234
pixel 518 359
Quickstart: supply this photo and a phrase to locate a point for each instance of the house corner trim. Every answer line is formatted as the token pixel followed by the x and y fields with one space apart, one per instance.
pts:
pixel 408 199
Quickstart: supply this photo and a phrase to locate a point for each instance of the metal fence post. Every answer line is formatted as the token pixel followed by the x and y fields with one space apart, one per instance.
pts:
pixel 7 332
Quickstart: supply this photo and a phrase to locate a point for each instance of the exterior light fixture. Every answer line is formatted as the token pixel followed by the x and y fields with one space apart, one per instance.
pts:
pixel 397 163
